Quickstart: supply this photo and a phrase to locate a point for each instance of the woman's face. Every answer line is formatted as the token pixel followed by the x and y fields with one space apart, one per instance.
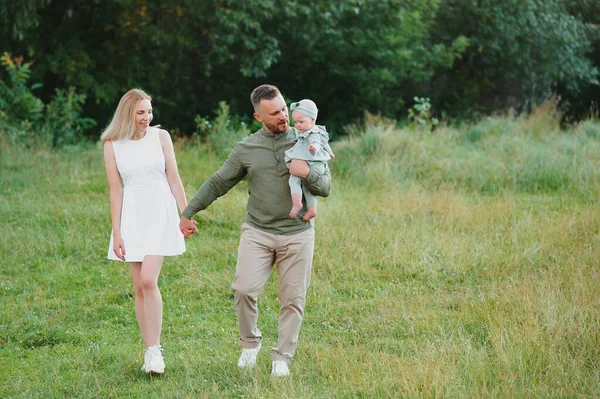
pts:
pixel 143 115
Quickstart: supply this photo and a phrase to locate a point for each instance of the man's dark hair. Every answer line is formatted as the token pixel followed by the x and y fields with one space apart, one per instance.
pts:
pixel 263 92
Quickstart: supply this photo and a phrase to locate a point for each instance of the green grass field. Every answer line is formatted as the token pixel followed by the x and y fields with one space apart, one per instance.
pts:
pixel 459 264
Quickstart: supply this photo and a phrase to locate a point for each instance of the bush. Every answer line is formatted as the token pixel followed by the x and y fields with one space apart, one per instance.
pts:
pixel 17 101
pixel 63 124
pixel 19 107
pixel 223 132
pixel 420 115
pixel 27 121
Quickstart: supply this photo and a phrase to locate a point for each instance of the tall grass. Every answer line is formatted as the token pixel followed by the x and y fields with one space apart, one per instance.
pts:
pixel 453 264
pixel 523 155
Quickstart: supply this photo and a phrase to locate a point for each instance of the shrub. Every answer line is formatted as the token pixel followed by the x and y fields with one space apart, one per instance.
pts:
pixel 27 121
pixel 223 132
pixel 420 114
pixel 17 101
pixel 63 124
pixel 19 107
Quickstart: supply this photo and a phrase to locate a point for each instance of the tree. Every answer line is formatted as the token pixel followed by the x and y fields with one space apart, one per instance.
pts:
pixel 349 56
pixel 186 53
pixel 17 18
pixel 521 51
pixel 358 55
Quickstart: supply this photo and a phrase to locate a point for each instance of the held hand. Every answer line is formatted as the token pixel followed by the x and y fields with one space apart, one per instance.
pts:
pixel 188 233
pixel 312 148
pixel 188 227
pixel 119 248
pixel 299 168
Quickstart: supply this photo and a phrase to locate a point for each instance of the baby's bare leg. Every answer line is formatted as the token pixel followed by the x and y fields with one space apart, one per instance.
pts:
pixel 311 212
pixel 296 204
pixel 296 190
pixel 311 205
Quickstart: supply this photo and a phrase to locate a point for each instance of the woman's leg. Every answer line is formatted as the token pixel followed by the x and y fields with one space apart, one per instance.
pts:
pixel 152 299
pixel 136 269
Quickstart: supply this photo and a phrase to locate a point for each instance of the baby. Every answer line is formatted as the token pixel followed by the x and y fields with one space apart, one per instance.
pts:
pixel 312 146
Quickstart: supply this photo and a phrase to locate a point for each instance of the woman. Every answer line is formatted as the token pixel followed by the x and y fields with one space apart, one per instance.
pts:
pixel 145 192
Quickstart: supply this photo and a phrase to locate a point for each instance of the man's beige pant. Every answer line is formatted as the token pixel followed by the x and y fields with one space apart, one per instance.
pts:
pixel 258 253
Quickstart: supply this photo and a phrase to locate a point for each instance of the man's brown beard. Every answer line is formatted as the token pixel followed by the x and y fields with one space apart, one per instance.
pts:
pixel 275 128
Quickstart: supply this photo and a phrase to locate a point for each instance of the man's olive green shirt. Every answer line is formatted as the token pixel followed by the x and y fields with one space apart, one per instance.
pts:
pixel 261 157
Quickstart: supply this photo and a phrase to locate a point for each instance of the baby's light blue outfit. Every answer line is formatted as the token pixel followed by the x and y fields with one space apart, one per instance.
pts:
pixel 317 160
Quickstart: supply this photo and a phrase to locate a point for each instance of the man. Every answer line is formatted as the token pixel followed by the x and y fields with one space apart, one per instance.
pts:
pixel 269 236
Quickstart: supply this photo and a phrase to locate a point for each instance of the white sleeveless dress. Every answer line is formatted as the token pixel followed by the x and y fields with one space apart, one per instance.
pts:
pixel 149 217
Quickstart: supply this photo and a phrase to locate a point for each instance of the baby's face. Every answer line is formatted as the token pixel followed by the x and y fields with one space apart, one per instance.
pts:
pixel 302 122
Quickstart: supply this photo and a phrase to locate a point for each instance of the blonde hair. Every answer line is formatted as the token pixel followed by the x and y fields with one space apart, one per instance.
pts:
pixel 122 125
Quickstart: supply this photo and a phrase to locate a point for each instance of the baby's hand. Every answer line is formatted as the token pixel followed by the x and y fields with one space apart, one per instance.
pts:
pixel 312 148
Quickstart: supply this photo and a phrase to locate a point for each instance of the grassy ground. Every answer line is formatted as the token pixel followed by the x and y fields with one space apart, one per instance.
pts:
pixel 458 264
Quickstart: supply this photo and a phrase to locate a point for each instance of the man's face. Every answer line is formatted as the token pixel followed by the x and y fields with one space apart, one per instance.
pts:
pixel 273 114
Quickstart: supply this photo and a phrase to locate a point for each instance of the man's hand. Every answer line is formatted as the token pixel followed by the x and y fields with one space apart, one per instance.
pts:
pixel 299 168
pixel 188 227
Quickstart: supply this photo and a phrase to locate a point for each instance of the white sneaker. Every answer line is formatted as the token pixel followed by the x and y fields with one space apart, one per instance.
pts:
pixel 280 368
pixel 153 360
pixel 247 359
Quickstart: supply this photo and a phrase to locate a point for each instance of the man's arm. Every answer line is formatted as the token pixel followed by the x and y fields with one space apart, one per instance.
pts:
pixel 317 184
pixel 217 185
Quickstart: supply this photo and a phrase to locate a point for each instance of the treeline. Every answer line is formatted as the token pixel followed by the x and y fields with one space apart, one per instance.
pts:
pixel 470 57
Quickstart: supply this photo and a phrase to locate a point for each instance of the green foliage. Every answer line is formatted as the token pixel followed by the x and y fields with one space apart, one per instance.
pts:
pixel 64 123
pixel 521 52
pixel 357 56
pixel 350 57
pixel 223 132
pixel 17 101
pixel 17 18
pixel 188 56
pixel 20 109
pixel 238 27
pixel 27 121
pixel 420 115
